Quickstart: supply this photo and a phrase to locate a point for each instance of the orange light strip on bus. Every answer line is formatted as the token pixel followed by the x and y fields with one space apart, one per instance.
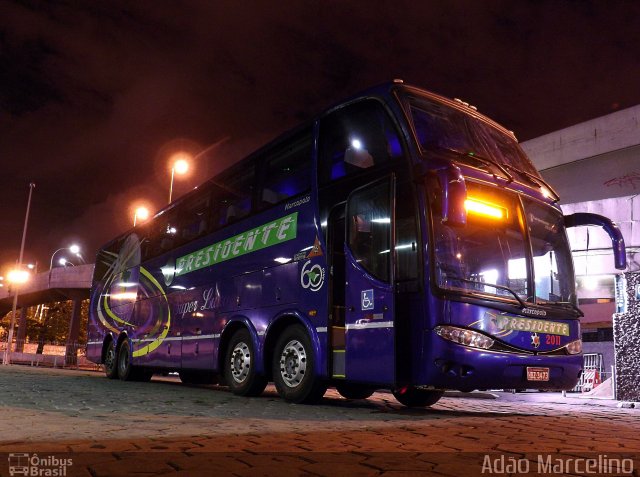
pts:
pixel 479 207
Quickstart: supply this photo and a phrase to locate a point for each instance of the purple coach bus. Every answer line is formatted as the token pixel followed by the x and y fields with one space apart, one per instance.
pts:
pixel 400 240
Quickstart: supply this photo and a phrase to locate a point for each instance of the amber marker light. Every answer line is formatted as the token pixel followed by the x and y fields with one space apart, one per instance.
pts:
pixel 486 209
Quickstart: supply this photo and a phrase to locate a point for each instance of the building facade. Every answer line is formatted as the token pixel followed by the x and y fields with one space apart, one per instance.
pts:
pixel 595 167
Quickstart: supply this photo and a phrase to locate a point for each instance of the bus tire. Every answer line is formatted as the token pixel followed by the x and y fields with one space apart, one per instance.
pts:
pixel 126 371
pixel 354 391
pixel 293 367
pixel 111 361
pixel 239 366
pixel 412 397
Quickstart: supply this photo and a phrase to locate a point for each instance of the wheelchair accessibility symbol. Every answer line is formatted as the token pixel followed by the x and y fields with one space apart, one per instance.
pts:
pixel 366 299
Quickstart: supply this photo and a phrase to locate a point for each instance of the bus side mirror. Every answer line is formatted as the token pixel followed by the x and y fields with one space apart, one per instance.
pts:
pixel 454 193
pixel 617 241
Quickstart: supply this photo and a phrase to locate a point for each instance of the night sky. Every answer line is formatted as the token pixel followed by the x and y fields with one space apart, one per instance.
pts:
pixel 94 95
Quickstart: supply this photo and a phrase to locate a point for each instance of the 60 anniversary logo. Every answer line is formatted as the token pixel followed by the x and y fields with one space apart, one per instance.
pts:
pixel 312 277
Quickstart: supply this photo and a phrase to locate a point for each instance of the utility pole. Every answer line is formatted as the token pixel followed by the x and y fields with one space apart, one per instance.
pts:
pixel 7 352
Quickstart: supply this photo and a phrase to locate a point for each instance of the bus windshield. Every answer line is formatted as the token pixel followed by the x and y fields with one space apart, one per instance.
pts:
pixel 443 129
pixel 490 255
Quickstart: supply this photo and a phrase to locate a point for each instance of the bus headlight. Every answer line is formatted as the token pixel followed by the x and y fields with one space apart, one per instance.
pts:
pixel 575 347
pixel 464 337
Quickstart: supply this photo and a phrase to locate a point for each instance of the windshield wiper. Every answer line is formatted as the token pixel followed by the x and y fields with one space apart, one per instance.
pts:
pixel 567 305
pixel 540 182
pixel 486 160
pixel 498 287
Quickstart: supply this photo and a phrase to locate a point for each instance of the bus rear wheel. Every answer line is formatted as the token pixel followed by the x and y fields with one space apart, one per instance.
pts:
pixel 240 370
pixel 354 391
pixel 126 371
pixel 111 361
pixel 293 368
pixel 413 397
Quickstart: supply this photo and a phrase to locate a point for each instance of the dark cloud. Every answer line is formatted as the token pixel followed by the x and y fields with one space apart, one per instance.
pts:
pixel 94 93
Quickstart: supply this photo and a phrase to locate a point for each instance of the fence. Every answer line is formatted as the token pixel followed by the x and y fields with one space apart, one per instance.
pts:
pixel 52 354
pixel 593 373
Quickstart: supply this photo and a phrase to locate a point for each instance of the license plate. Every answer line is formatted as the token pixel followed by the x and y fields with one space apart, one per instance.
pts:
pixel 537 374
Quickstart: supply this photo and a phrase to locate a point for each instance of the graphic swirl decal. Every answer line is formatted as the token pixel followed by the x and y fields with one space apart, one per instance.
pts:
pixel 125 281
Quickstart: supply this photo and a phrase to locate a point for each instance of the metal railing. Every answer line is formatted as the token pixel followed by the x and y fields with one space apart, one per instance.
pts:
pixel 51 354
pixel 593 372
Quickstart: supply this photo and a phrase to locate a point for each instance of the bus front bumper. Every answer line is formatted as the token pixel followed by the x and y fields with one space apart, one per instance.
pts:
pixel 454 366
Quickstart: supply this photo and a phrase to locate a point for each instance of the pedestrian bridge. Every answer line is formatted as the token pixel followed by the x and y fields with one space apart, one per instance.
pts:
pixel 59 284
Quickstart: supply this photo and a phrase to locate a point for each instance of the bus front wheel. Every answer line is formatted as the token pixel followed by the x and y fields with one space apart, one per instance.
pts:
pixel 240 370
pixel 413 397
pixel 293 368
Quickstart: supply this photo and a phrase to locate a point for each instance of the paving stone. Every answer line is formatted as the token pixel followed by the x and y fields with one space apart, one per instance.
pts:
pixel 113 427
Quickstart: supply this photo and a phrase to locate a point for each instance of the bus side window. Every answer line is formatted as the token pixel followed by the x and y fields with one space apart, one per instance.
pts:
pixel 194 218
pixel 237 185
pixel 287 171
pixel 368 232
pixel 105 260
pixel 356 138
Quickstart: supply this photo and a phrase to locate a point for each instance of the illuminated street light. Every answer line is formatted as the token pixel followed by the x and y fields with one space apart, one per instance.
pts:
pixel 64 262
pixel 18 276
pixel 74 249
pixel 179 165
pixel 141 213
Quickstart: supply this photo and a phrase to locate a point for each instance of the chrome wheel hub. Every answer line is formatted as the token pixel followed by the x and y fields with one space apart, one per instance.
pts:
pixel 293 363
pixel 240 362
pixel 109 359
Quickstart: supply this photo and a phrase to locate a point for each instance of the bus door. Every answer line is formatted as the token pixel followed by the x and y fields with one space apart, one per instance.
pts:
pixel 369 292
pixel 337 279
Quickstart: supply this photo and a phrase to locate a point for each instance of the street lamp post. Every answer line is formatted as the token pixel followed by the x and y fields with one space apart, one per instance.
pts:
pixel 180 166
pixel 141 213
pixel 6 359
pixel 74 249
pixel 181 161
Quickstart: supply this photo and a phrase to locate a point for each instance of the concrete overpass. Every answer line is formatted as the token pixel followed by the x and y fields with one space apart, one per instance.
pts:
pixel 59 284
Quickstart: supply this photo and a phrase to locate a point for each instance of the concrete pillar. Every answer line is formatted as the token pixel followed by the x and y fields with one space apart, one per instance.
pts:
pixel 71 353
pixel 626 336
pixel 22 330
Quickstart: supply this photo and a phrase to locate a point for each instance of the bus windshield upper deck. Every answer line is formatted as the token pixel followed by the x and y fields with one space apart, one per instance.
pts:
pixel 512 247
pixel 444 130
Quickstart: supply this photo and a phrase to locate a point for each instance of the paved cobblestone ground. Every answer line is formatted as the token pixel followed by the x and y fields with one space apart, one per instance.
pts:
pixel 163 427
